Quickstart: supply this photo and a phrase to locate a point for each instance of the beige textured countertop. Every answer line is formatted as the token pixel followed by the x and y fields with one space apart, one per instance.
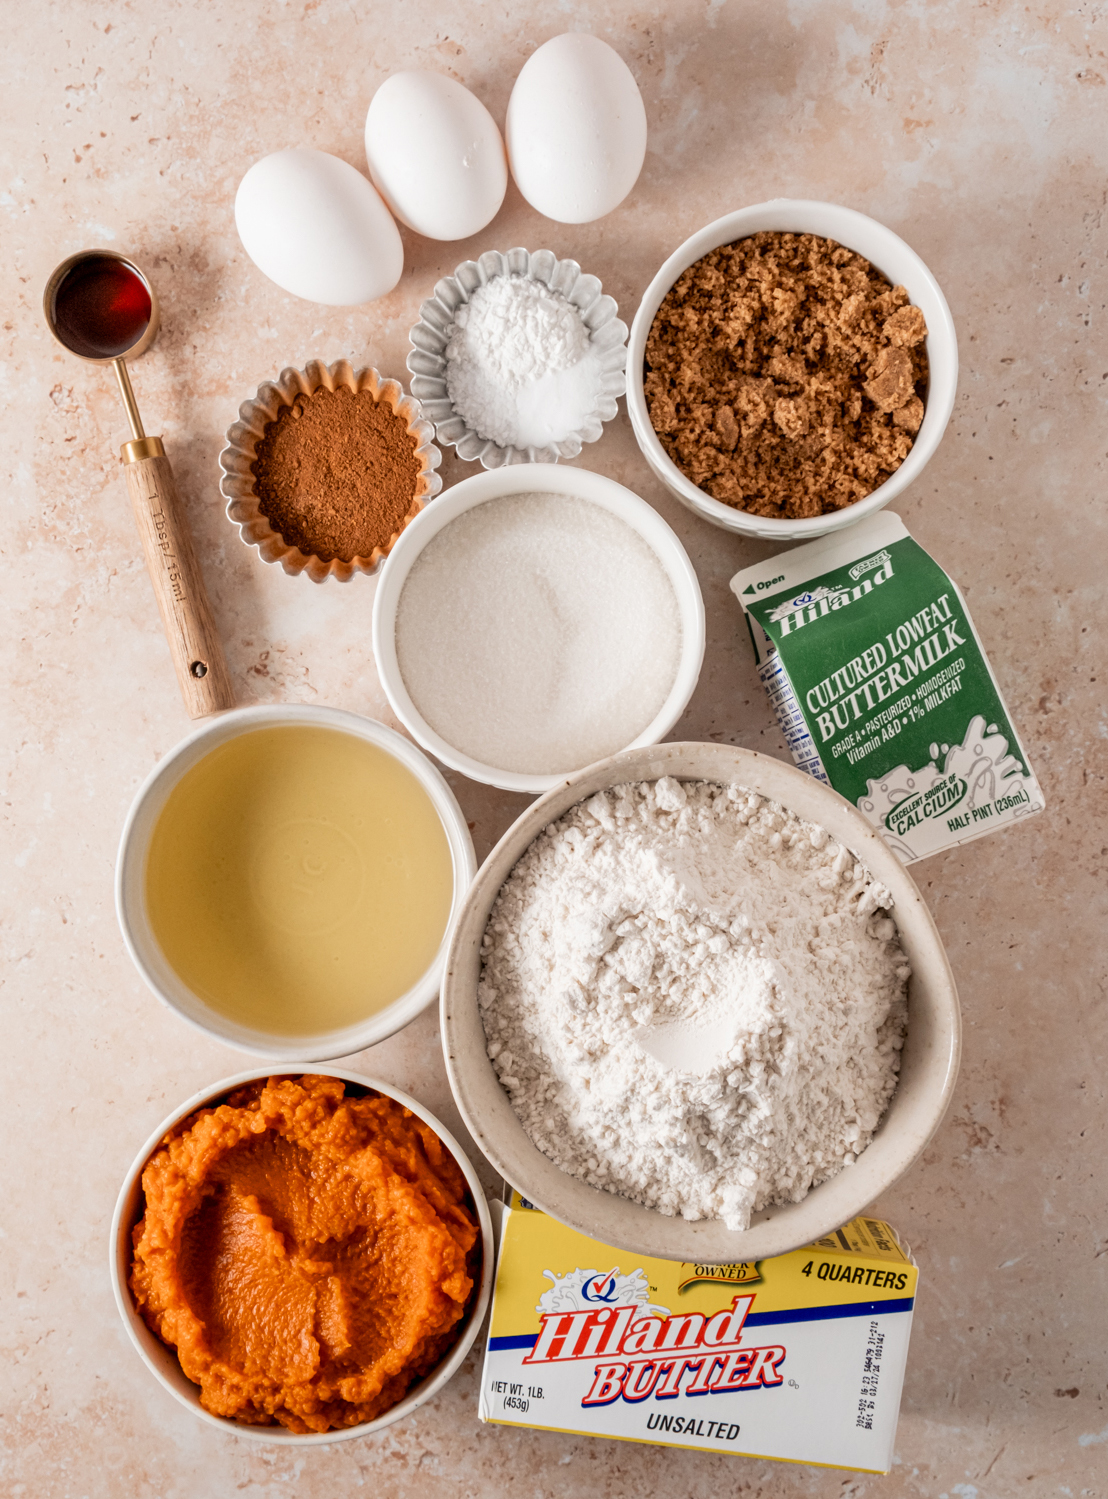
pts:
pixel 978 132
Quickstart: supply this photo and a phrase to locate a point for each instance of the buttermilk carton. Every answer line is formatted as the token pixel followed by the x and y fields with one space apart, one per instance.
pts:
pixel 882 688
pixel 799 1358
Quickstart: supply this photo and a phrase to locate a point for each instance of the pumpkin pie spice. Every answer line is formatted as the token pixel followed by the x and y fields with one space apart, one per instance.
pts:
pixel 786 376
pixel 336 473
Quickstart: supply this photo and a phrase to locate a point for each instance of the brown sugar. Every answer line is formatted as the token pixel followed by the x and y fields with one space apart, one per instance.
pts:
pixel 336 473
pixel 785 375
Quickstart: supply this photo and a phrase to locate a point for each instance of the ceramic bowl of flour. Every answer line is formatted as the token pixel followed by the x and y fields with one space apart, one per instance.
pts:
pixel 929 1060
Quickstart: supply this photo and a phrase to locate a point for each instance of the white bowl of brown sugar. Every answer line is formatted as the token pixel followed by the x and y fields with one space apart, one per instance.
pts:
pixel 791 369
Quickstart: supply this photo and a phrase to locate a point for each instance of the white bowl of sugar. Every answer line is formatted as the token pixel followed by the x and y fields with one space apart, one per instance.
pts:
pixel 535 620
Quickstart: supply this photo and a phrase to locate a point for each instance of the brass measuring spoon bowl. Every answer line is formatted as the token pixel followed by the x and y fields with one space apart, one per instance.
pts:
pixel 99 306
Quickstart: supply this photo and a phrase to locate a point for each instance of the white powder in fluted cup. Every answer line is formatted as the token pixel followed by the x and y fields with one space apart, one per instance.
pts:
pixel 694 999
pixel 520 367
pixel 537 633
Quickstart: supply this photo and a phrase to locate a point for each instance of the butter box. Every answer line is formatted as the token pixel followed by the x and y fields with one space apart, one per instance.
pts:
pixel 882 687
pixel 799 1358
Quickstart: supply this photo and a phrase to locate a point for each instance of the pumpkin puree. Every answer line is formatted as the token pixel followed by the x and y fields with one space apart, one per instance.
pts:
pixel 306 1254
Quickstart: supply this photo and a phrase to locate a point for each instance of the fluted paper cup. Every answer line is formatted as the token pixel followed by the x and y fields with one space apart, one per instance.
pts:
pixel 239 488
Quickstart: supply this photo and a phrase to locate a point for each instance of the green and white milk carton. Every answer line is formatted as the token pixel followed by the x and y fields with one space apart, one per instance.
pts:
pixel 881 686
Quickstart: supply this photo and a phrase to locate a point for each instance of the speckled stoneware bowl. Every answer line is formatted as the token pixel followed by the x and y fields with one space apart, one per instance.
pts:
pixel 929 1063
pixel 162 1361
pixel 430 336
pixel 238 485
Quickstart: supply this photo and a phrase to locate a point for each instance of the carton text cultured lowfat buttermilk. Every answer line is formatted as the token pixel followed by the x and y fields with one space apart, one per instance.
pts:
pixel 800 1357
pixel 881 686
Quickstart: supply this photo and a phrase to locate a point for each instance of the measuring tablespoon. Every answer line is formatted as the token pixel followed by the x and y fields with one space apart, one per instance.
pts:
pixel 100 306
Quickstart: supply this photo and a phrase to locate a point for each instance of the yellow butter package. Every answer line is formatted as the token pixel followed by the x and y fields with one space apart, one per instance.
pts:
pixel 799 1358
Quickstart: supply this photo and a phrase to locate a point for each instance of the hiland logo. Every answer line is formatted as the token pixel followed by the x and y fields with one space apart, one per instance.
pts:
pixel 600 1288
pixel 802 601
pixel 644 1350
pixel 817 603
pixel 581 1289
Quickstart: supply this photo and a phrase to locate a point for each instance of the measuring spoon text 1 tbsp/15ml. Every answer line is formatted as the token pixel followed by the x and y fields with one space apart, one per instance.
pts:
pixel 100 306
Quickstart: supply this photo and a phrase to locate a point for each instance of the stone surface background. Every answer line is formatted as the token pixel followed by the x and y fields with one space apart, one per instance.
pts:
pixel 977 132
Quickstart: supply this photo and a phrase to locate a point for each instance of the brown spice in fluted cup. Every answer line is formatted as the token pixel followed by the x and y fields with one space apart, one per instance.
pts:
pixel 785 376
pixel 336 473
pixel 326 467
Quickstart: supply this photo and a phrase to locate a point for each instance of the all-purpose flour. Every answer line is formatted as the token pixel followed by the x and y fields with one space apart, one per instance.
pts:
pixel 694 999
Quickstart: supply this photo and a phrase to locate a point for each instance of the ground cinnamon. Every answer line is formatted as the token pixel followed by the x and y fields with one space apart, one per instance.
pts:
pixel 336 473
pixel 785 376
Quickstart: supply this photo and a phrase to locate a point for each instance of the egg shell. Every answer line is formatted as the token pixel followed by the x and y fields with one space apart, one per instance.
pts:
pixel 318 228
pixel 435 155
pixel 576 129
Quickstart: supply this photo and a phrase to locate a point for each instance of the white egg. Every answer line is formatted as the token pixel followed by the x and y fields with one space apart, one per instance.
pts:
pixel 435 155
pixel 576 129
pixel 317 227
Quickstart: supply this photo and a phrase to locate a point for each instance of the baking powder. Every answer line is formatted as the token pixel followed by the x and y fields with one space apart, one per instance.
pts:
pixel 694 999
pixel 520 369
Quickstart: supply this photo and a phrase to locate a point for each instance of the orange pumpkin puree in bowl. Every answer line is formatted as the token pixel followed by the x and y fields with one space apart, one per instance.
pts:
pixel 308 1255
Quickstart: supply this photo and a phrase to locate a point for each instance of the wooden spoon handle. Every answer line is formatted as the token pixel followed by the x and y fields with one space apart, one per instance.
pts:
pixel 186 614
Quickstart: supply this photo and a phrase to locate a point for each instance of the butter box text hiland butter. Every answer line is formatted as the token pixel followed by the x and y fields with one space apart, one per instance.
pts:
pixel 799 1358
pixel 882 688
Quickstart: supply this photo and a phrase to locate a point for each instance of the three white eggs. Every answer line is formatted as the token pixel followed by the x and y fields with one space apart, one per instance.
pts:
pixel 576 140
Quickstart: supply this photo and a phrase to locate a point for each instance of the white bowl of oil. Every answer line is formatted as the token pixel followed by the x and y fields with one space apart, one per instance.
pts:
pixel 288 878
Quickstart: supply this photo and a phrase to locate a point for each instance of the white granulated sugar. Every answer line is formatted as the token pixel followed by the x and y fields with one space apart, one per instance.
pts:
pixel 538 633
pixel 520 369
pixel 694 999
